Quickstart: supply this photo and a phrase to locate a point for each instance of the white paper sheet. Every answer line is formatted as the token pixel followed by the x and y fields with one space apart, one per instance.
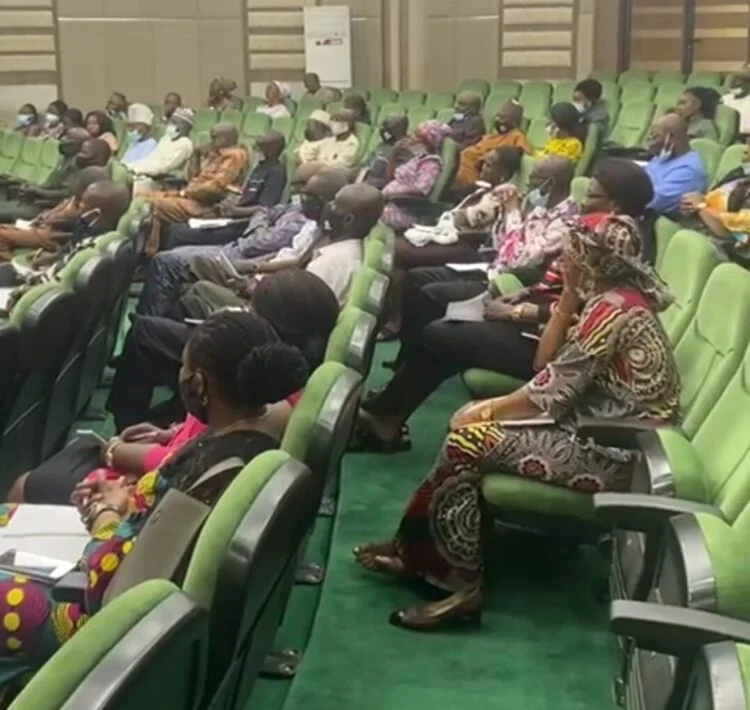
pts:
pixel 208 223
pixel 479 266
pixel 24 224
pixel 5 294
pixel 470 311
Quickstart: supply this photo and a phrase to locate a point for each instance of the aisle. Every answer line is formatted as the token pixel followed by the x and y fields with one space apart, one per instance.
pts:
pixel 543 642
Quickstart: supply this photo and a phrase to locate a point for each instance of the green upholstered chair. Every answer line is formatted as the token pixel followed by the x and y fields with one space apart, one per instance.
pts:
pixel 478 86
pixel 632 124
pixel 438 100
pixel 505 90
pixel 668 77
pixel 11 144
pixel 712 79
pixel 369 291
pixel 145 649
pixel 535 97
pixel 412 97
pixel 630 75
pixel 381 96
pixel 668 94
pixel 254 124
pixel 379 253
pixel 636 91
pixel 590 150
pixel 728 122
pixel 731 159
pixel 665 229
pixel 352 341
pixel 710 153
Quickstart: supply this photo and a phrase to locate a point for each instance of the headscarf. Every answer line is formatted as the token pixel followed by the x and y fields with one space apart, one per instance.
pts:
pixel 610 247
pixel 433 133
pixel 283 88
pixel 320 116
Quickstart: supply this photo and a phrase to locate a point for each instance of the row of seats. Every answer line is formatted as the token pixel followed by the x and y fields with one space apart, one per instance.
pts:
pixel 55 345
pixel 215 631
pixel 31 160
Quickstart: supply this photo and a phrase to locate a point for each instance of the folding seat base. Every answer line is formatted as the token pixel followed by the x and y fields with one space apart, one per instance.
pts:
pixel 282 664
pixel 310 573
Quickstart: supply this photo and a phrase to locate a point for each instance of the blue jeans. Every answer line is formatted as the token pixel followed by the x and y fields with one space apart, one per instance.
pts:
pixel 165 275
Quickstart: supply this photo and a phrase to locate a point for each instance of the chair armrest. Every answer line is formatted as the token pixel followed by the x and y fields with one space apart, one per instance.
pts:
pixel 673 630
pixel 620 433
pixel 644 513
pixel 654 471
pixel 71 588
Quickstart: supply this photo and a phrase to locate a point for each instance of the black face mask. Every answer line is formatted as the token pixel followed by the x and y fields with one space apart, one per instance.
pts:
pixel 68 149
pixel 336 223
pixel 386 135
pixel 85 223
pixel 312 206
pixel 192 400
pixel 501 127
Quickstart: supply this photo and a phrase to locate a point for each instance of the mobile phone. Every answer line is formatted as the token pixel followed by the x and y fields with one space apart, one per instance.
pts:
pixel 91 432
pixel 193 321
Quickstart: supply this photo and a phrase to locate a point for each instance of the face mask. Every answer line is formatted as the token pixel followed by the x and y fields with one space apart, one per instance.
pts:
pixel 24 119
pixel 386 135
pixel 746 168
pixel 67 149
pixel 338 128
pixel 312 207
pixel 580 106
pixel 51 119
pixel 296 200
pixel 459 116
pixel 536 198
pixel 134 136
pixel 192 400
pixel 666 151
pixel 85 223
pixel 553 130
pixel 172 131
pixel 335 222
pixel 501 127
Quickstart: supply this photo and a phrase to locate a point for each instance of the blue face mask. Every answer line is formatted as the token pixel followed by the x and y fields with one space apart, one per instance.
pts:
pixel 536 198
pixel 24 119
pixel 134 136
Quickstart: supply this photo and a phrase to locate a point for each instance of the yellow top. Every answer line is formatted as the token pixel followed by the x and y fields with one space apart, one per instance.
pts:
pixel 570 148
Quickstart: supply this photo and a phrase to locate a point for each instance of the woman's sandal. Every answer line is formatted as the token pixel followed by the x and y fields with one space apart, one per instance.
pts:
pixel 463 608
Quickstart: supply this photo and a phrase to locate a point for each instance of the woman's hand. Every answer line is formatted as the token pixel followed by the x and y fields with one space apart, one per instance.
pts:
pixel 115 492
pixel 571 272
pixel 146 433
pixel 472 413
pixel 690 203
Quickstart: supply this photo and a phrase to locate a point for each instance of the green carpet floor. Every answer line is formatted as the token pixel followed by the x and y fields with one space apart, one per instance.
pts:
pixel 543 642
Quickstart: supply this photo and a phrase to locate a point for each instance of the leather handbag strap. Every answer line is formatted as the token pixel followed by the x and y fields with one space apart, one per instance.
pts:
pixel 216 470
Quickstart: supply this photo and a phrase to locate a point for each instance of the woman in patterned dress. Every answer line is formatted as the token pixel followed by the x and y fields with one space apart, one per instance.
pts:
pixel 615 362
pixel 233 367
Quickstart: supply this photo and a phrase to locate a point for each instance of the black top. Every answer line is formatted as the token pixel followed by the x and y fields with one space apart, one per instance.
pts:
pixel 265 184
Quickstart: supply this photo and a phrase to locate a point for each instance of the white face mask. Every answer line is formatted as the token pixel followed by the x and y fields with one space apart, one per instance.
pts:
pixel 580 106
pixel 51 119
pixel 553 130
pixel 172 131
pixel 338 128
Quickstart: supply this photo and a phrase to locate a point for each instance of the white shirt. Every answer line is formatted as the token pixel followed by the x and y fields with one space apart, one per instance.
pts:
pixel 742 106
pixel 337 264
pixel 303 241
pixel 278 111
pixel 168 156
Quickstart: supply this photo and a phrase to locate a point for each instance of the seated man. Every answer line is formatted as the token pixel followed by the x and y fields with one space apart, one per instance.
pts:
pixel 587 98
pixel 739 98
pixel 507 133
pixel 353 213
pixel 263 188
pixel 213 170
pixel 317 130
pixel 269 231
pixel 171 153
pixel 44 231
pixel 142 143
pixel 340 150
pixel 467 124
pixel 675 170
pixel 377 170
pixel 172 101
pixel 117 106
pixel 314 90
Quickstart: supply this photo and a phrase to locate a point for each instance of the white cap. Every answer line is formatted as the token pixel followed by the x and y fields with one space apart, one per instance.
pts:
pixel 140 113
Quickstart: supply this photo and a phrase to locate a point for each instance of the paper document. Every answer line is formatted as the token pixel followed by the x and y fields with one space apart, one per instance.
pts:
pixel 5 294
pixel 208 223
pixel 49 530
pixel 471 311
pixel 24 224
pixel 482 266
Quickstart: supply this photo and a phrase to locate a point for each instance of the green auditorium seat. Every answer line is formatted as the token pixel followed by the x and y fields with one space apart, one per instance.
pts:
pixel 146 649
pixel 251 103
pixel 710 152
pixel 478 86
pixel 412 97
pixel 203 138
pixel 242 569
pixel 668 77
pixel 664 229
pixel 359 91
pixel 611 91
pixel 590 150
pixel 563 91
pixel 305 109
pixel 379 252
pixel 445 115
pixel 417 115
pixel 46 321
pixel 205 119
pixel 255 124
pixel 535 98
pixel 633 75
pixel 392 108
pixel 364 133
pixel 728 122
pixel 731 159
pixel 291 106
pixel 668 94
pixel 368 292
pixel 632 124
pixel 712 79
pixel 283 125
pixel 491 106
pixel 603 75
pixel 637 91
pixel 578 190
pixel 353 340
pixel 49 161
pixel 438 100
pixel 504 90
pixel 10 361
pixel 308 103
pixel 378 97
pixel 233 116
pixel 522 176
pixel 708 354
pixel 537 133
pixel 11 144
pixel 335 106
pixel 26 164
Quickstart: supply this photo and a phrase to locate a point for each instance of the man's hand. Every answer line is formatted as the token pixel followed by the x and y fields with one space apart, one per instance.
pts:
pixel 498 309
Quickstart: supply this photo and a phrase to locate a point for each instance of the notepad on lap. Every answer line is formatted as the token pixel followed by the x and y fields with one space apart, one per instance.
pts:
pixel 470 311
pixel 53 531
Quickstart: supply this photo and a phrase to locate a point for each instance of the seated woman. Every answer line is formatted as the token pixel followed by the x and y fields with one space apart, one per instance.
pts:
pixel 567 132
pixel 698 107
pixel 300 306
pixel 277 93
pixel 27 121
pixel 413 181
pixel 595 368
pixel 221 95
pixel 99 125
pixel 53 120
pixel 233 367
pixel 507 340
